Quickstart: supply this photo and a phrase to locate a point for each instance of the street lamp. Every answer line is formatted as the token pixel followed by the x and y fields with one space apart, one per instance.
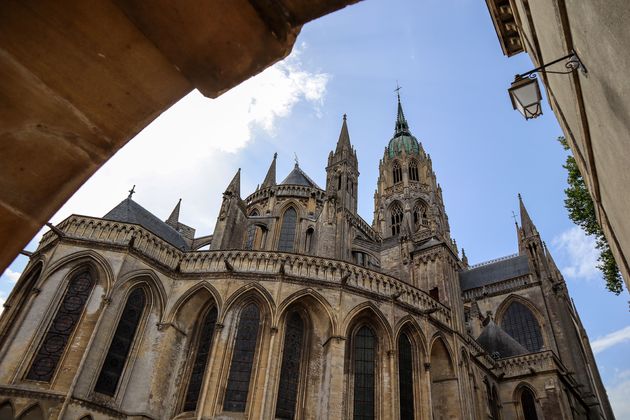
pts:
pixel 525 96
pixel 525 92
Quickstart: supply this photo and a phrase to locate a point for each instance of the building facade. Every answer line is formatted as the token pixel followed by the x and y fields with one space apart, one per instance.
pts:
pixel 295 308
pixel 592 108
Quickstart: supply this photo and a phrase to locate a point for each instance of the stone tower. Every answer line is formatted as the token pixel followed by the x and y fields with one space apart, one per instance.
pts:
pixel 410 216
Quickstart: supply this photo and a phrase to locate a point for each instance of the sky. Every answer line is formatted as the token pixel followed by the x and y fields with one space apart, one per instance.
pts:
pixel 446 57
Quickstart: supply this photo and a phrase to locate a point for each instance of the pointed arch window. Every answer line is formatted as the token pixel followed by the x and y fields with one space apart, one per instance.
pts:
pixel 63 325
pixel 308 243
pixel 364 364
pixel 204 346
pixel 396 219
pixel 251 235
pixel 120 346
pixel 528 404
pixel 240 374
pixel 405 377
pixel 290 370
pixel 397 172
pixel 419 215
pixel 413 170
pixel 287 231
pixel 521 324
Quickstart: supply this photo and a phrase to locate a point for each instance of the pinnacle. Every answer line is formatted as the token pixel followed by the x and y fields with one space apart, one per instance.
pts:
pixel 270 178
pixel 527 225
pixel 344 137
pixel 173 219
pixel 235 185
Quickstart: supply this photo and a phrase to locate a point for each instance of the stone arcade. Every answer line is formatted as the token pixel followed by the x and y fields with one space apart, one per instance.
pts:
pixel 299 309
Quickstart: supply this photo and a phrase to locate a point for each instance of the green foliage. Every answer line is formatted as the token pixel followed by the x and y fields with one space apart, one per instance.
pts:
pixel 581 209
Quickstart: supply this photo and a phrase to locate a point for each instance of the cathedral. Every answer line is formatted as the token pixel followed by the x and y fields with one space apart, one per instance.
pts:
pixel 295 308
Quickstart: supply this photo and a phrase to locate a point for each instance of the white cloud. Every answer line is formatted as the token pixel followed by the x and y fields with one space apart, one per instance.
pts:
pixel 190 151
pixel 2 301
pixel 580 252
pixel 619 394
pixel 11 275
pixel 610 340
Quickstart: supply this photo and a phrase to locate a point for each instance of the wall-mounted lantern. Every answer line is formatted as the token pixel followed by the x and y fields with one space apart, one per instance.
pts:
pixel 525 92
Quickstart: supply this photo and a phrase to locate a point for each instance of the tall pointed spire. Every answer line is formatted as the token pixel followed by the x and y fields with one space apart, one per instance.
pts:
pixel 527 226
pixel 234 188
pixel 344 137
pixel 270 178
pixel 402 128
pixel 173 219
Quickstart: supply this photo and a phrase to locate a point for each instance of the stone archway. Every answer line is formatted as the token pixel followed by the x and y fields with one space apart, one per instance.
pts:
pixel 445 399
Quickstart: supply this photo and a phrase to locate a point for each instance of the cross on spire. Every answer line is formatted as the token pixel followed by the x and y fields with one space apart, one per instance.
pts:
pixel 132 191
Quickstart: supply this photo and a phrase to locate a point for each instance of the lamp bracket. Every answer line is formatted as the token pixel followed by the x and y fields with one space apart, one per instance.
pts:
pixel 574 63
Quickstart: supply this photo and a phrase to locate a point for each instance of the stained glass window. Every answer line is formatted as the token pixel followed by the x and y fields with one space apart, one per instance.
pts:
pixel 413 170
pixel 521 324
pixel 204 345
pixel 396 219
pixel 287 231
pixel 290 370
pixel 405 377
pixel 242 360
pixel 120 346
pixel 397 172
pixel 364 359
pixel 63 325
pixel 528 405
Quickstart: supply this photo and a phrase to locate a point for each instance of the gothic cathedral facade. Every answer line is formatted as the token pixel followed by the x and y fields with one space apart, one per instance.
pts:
pixel 295 308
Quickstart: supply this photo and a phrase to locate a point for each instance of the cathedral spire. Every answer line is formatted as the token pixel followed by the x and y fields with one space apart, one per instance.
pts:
pixel 173 219
pixel 402 127
pixel 344 137
pixel 270 179
pixel 234 188
pixel 527 226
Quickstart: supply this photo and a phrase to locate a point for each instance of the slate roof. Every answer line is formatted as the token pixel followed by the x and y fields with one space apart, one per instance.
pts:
pixel 495 272
pixel 298 177
pixel 498 343
pixel 128 211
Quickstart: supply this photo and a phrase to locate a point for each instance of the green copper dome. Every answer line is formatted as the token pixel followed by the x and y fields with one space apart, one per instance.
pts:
pixel 403 140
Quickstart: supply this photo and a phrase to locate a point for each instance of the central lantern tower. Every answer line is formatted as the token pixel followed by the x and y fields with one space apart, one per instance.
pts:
pixel 409 215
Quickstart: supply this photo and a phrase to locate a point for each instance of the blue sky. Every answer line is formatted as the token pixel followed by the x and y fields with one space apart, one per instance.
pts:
pixel 454 78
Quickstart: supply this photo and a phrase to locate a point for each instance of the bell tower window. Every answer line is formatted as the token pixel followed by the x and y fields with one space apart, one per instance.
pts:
pixel 413 170
pixel 396 219
pixel 397 172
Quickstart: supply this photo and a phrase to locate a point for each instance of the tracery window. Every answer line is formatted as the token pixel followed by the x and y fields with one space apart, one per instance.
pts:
pixel 397 172
pixel 290 370
pixel 364 364
pixel 120 346
pixel 396 218
pixel 204 346
pixel 413 170
pixel 242 360
pixel 405 377
pixel 287 231
pixel 419 215
pixel 522 325
pixel 528 405
pixel 63 325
